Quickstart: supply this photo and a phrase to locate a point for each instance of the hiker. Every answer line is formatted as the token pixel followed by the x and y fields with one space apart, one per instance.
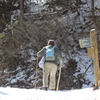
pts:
pixel 50 65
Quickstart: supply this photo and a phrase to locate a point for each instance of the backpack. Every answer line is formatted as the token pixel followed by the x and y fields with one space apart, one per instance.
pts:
pixel 50 54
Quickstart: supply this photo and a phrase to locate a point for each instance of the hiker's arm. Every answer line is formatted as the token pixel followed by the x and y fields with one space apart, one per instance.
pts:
pixel 41 52
pixel 58 53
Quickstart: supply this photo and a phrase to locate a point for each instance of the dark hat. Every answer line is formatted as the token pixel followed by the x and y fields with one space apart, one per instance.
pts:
pixel 51 42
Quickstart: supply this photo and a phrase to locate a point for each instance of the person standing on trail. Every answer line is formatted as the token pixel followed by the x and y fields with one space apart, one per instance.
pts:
pixel 51 55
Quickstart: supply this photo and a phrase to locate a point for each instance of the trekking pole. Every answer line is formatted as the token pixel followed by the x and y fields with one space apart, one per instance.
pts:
pixel 36 73
pixel 59 75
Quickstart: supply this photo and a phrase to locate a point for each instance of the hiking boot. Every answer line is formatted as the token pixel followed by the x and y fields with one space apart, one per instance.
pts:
pixel 95 88
pixel 45 88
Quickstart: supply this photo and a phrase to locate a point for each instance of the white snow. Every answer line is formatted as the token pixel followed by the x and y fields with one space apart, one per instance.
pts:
pixel 9 93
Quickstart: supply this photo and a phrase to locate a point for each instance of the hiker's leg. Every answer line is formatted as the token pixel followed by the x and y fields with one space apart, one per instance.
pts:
pixel 53 71
pixel 46 71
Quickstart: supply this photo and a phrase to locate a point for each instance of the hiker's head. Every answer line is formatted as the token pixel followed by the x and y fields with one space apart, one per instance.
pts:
pixel 51 42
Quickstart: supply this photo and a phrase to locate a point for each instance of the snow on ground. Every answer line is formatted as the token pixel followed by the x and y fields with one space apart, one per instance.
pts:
pixel 32 94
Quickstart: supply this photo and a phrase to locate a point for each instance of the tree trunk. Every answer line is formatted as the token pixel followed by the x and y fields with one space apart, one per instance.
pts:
pixel 95 18
pixel 21 12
